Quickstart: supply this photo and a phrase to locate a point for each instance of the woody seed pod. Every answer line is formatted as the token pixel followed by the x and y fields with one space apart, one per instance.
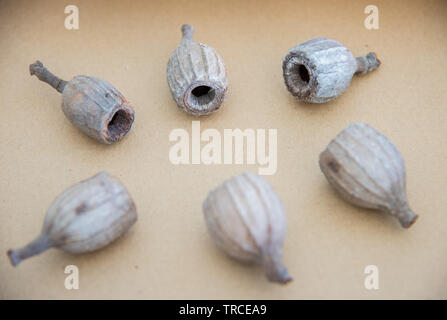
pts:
pixel 196 76
pixel 367 170
pixel 246 219
pixel 321 69
pixel 86 217
pixel 93 105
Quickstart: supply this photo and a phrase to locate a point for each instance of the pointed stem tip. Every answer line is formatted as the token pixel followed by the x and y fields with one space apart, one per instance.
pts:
pixel 367 63
pixel 36 246
pixel 187 32
pixel 407 218
pixel 274 269
pixel 38 69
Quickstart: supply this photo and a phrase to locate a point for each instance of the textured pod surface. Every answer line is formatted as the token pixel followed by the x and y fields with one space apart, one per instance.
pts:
pixel 246 219
pixel 321 69
pixel 97 109
pixel 93 105
pixel 83 218
pixel 196 76
pixel 368 170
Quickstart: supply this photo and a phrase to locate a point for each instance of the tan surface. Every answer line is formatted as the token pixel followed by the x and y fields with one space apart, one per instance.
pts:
pixel 168 253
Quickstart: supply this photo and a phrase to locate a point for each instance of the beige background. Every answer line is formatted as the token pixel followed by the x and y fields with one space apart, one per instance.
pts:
pixel 168 253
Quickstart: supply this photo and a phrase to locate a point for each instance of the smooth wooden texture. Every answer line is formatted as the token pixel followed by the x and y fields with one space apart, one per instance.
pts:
pixel 169 253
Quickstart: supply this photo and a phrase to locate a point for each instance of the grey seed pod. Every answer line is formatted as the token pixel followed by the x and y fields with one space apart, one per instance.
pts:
pixel 246 219
pixel 93 105
pixel 367 170
pixel 196 76
pixel 321 69
pixel 86 217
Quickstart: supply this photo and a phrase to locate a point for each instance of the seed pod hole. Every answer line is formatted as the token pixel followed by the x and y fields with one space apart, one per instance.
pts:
pixel 202 95
pixel 321 69
pixel 93 105
pixel 196 76
pixel 303 73
pixel 119 125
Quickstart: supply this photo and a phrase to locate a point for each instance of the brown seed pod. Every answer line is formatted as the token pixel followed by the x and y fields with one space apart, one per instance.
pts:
pixel 366 169
pixel 93 105
pixel 245 217
pixel 196 76
pixel 321 69
pixel 86 217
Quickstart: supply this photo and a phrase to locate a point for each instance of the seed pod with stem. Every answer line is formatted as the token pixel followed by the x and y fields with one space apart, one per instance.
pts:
pixel 246 219
pixel 93 105
pixel 196 76
pixel 321 69
pixel 86 217
pixel 366 169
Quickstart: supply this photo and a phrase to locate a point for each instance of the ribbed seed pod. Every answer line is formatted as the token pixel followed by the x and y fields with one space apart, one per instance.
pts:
pixel 368 170
pixel 321 69
pixel 245 217
pixel 86 217
pixel 196 76
pixel 93 105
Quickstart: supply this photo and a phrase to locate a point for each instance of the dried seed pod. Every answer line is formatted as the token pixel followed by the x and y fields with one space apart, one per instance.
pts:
pixel 321 69
pixel 86 217
pixel 368 170
pixel 93 105
pixel 196 76
pixel 245 217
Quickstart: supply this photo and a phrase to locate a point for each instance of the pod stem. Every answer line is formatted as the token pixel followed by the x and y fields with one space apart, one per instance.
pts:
pixel 367 63
pixel 274 269
pixel 406 217
pixel 187 32
pixel 40 244
pixel 38 69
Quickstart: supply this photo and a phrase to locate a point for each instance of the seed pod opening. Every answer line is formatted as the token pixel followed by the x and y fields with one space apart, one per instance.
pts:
pixel 93 105
pixel 246 219
pixel 196 76
pixel 367 170
pixel 321 69
pixel 86 217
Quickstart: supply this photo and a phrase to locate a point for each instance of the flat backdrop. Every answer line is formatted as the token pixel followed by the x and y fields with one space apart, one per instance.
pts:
pixel 168 253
